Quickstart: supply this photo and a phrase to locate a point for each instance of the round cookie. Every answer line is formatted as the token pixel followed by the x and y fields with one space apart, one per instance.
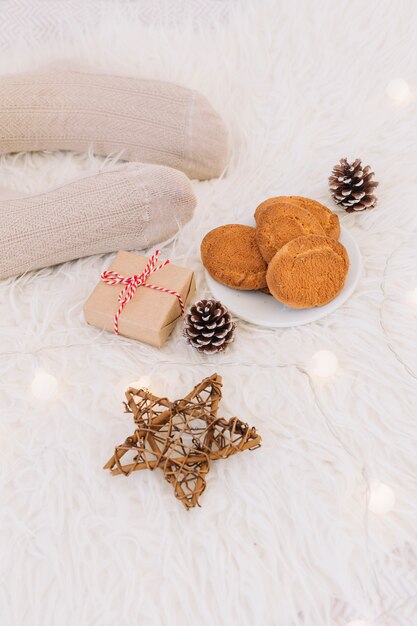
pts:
pixel 280 223
pixel 308 271
pixel 231 256
pixel 328 220
pixel 326 217
pixel 266 204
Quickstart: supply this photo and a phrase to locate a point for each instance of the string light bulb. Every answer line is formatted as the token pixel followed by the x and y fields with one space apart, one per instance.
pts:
pixel 323 364
pixel 381 498
pixel 411 296
pixel 44 386
pixel 153 383
pixel 143 382
pixel 398 90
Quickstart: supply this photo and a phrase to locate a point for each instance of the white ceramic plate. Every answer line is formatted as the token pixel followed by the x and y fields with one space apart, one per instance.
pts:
pixel 261 309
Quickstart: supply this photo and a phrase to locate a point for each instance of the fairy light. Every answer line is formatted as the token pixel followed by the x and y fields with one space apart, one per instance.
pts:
pixel 411 296
pixel 44 386
pixel 143 382
pixel 153 383
pixel 381 498
pixel 398 90
pixel 323 364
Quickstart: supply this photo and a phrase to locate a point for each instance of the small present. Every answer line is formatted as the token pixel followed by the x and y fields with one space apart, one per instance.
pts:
pixel 140 297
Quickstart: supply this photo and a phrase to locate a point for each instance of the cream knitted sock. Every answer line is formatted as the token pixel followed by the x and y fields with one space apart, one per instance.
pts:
pixel 130 206
pixel 64 108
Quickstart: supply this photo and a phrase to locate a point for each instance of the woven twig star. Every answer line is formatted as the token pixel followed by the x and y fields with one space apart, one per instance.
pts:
pixel 181 437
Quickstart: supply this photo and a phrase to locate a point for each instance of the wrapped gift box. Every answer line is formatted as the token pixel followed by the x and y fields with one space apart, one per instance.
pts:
pixel 150 316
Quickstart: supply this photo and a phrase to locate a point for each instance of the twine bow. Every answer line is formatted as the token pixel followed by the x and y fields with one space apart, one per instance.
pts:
pixel 131 283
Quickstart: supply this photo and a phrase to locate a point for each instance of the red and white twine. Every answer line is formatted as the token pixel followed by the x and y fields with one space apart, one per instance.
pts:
pixel 133 282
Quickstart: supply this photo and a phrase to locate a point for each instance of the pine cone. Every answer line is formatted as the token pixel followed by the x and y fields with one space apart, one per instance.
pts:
pixel 209 326
pixel 351 186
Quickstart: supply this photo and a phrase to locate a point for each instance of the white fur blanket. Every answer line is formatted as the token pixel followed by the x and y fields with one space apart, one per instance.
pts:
pixel 284 536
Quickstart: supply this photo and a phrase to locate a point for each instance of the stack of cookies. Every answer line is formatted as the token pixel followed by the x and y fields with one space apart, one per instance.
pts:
pixel 293 253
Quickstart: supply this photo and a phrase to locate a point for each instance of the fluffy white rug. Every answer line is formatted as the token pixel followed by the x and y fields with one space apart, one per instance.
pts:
pixel 284 536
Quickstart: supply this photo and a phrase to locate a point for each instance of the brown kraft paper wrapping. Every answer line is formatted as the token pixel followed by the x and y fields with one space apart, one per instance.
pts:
pixel 151 315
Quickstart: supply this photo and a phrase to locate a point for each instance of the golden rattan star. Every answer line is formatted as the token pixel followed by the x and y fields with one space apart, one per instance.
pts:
pixel 181 437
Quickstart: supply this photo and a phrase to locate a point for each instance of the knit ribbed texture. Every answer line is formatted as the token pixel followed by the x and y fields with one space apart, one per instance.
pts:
pixel 144 120
pixel 130 206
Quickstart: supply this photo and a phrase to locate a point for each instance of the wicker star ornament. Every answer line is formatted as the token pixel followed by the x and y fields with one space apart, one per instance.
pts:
pixel 182 438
